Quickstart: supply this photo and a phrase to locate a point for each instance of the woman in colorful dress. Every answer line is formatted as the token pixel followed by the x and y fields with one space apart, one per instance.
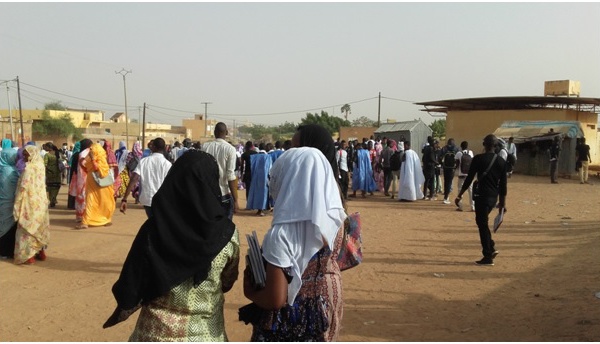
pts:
pixel 81 180
pixel 133 159
pixel 53 172
pixel 99 201
pixel 121 155
pixel 31 210
pixel 302 298
pixel 113 165
pixel 182 261
pixel 9 175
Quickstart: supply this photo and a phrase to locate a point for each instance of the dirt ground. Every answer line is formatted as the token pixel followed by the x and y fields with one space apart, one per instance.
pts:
pixel 418 281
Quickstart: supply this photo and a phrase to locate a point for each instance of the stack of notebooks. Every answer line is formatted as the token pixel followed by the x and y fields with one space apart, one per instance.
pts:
pixel 254 260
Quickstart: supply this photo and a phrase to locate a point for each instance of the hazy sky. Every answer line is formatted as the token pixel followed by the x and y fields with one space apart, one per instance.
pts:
pixel 272 62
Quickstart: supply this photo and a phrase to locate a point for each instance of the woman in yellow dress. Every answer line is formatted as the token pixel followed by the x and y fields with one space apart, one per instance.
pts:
pixel 99 201
pixel 31 210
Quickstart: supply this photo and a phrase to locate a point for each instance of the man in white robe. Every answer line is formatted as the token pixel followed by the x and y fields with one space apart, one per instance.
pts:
pixel 411 176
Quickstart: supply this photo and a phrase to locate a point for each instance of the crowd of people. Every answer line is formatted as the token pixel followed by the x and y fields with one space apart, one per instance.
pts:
pixel 186 254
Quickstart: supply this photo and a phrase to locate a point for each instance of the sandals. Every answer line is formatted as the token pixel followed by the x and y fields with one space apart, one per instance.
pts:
pixel 81 226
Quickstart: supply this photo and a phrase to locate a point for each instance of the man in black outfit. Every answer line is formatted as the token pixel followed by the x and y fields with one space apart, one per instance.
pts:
pixel 554 155
pixel 449 164
pixel 245 168
pixel 490 186
pixel 429 163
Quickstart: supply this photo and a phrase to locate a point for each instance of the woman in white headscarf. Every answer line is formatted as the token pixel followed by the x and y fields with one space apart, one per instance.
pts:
pixel 302 298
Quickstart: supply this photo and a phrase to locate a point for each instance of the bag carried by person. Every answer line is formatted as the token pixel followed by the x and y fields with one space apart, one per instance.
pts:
pixel 449 160
pixel 395 161
pixel 351 251
pixel 465 162
pixel 106 181
pixel 477 182
pixel 62 166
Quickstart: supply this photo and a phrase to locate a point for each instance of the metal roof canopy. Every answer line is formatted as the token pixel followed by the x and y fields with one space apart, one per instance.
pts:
pixel 511 103
pixel 525 131
pixel 397 126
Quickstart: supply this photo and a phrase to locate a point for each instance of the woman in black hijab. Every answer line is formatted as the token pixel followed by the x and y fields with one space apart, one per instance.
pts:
pixel 316 136
pixel 182 260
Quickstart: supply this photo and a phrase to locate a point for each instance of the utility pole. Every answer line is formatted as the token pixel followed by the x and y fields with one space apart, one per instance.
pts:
pixel 124 72
pixel 139 121
pixel 206 118
pixel 12 128
pixel 379 112
pixel 144 128
pixel 20 113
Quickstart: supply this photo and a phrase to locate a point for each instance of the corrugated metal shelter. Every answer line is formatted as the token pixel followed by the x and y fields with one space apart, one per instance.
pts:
pixel 414 131
pixel 533 140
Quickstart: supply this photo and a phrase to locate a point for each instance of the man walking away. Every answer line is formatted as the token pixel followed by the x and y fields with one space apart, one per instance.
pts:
pixel 511 149
pixel 428 167
pixel 395 164
pixel 150 172
pixel 411 176
pixel 386 154
pixel 554 154
pixel 491 184
pixel 449 165
pixel 342 161
pixel 583 157
pixel 463 163
pixel 224 153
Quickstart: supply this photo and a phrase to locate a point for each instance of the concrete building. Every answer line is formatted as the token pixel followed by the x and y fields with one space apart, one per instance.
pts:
pixel 79 118
pixel 198 129
pixel 471 119
pixel 6 132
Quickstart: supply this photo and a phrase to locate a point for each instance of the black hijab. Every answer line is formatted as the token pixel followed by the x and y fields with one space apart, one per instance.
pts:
pixel 189 228
pixel 83 145
pixel 316 136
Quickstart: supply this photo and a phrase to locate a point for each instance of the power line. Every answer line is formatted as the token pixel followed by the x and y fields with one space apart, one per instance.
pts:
pixel 66 95
pixel 400 100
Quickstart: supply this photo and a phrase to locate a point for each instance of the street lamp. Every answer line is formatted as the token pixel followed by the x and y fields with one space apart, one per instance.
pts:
pixel 124 72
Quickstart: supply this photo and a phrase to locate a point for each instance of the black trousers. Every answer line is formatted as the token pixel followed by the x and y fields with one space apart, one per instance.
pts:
pixel 448 176
pixel 344 183
pixel 429 173
pixel 553 170
pixel 387 179
pixel 483 207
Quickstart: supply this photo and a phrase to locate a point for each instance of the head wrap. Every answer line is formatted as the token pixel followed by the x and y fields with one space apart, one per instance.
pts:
pixel 392 145
pixel 314 135
pixel 6 144
pixel 121 155
pixel 137 149
pixel 111 158
pixel 187 231
pixel 308 211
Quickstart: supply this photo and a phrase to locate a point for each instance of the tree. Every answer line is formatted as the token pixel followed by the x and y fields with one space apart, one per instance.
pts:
pixel 54 106
pixel 346 109
pixel 50 126
pixel 363 121
pixel 331 123
pixel 439 128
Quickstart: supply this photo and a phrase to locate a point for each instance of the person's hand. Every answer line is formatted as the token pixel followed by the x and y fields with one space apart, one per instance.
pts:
pixel 501 206
pixel 123 207
pixel 236 207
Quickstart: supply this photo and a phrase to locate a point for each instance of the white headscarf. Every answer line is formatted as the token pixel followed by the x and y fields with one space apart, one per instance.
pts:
pixel 308 211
